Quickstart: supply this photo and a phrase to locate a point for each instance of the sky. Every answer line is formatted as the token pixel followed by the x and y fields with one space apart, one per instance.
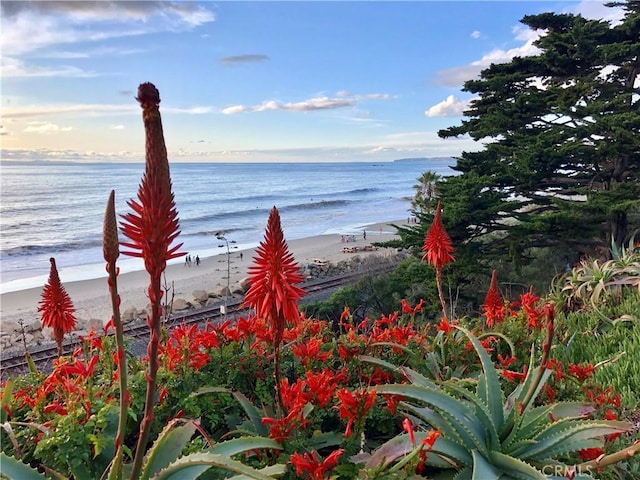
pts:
pixel 252 81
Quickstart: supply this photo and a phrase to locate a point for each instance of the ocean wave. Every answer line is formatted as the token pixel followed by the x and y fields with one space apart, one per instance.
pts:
pixel 262 213
pixel 23 250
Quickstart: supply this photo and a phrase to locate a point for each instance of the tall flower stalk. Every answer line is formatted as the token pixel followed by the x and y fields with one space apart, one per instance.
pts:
pixel 273 292
pixel 56 307
pixel 438 251
pixel 151 228
pixel 111 252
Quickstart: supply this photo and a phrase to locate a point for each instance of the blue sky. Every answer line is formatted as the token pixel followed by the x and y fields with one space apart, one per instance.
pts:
pixel 252 81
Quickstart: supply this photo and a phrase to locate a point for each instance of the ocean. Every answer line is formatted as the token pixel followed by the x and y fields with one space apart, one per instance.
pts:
pixel 56 210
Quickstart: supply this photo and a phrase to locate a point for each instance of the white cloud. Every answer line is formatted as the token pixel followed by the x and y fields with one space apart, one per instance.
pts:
pixel 457 76
pixel 476 34
pixel 340 100
pixel 45 128
pixel 233 109
pixel 78 109
pixel 116 127
pixel 41 26
pixel 451 107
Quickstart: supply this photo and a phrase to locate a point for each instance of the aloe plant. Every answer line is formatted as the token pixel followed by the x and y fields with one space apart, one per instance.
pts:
pixel 163 461
pixel 485 434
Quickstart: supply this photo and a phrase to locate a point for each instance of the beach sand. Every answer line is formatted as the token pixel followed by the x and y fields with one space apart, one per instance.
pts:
pixel 92 301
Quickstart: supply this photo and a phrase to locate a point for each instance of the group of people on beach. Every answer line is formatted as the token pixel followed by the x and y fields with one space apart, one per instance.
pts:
pixel 188 261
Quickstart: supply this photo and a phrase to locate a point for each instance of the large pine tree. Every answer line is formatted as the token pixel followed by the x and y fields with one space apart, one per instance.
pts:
pixel 561 132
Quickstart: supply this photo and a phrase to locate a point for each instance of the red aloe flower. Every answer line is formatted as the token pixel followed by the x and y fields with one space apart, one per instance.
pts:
pixel 273 278
pixel 437 246
pixel 56 307
pixel 152 228
pixel 153 225
pixel 438 250
pixel 493 307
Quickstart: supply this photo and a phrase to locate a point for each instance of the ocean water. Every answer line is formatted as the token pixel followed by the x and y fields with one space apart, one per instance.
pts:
pixel 56 210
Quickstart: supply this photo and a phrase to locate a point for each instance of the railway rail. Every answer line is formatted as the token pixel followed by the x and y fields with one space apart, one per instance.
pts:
pixel 43 355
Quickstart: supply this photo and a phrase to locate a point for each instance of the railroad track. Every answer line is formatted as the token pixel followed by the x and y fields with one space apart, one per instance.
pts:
pixel 43 355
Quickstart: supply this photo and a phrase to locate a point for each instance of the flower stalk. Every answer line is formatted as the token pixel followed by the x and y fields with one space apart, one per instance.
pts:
pixel 438 251
pixel 151 228
pixel 111 252
pixel 273 292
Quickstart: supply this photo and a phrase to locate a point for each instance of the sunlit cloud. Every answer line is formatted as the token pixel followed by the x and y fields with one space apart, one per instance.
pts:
pixel 45 128
pixel 341 100
pixel 451 107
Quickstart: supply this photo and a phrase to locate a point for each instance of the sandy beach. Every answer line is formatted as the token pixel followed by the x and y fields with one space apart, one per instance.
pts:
pixel 92 301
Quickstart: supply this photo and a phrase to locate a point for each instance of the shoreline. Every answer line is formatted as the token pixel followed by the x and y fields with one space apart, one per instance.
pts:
pixel 92 301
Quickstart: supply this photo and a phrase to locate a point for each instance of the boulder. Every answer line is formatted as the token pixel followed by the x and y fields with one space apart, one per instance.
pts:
pixel 200 295
pixel 180 304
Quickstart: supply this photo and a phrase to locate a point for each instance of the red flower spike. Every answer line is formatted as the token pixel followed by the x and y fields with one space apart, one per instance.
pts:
pixel 56 307
pixel 153 225
pixel 273 278
pixel 493 307
pixel 437 246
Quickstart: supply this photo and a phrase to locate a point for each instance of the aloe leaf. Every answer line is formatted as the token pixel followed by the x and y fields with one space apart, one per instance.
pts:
pixel 555 441
pixel 167 448
pixel 433 418
pixel 458 414
pixel 192 466
pixel 254 414
pixel 272 470
pixel 411 375
pixel 489 389
pixel 482 469
pixel 516 468
pixel 482 413
pixel 16 470
pixel 244 444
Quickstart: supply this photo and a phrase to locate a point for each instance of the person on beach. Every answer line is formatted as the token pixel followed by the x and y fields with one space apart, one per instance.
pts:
pixel 197 260
pixel 364 234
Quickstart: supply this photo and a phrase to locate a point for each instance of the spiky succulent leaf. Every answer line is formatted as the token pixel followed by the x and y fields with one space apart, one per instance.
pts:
pixel 565 437
pixel 254 414
pixel 244 444
pixel 167 448
pixel 516 468
pixel 192 466
pixel 14 469
pixel 411 375
pixel 482 469
pixel 489 389
pixel 459 415
pixel 431 417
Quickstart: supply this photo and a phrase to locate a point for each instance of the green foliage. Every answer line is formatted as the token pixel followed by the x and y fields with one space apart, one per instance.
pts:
pixel 485 435
pixel 561 166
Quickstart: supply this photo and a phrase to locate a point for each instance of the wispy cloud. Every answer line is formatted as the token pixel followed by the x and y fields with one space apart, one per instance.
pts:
pixel 94 110
pixel 341 100
pixel 45 128
pixel 247 58
pixel 37 28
